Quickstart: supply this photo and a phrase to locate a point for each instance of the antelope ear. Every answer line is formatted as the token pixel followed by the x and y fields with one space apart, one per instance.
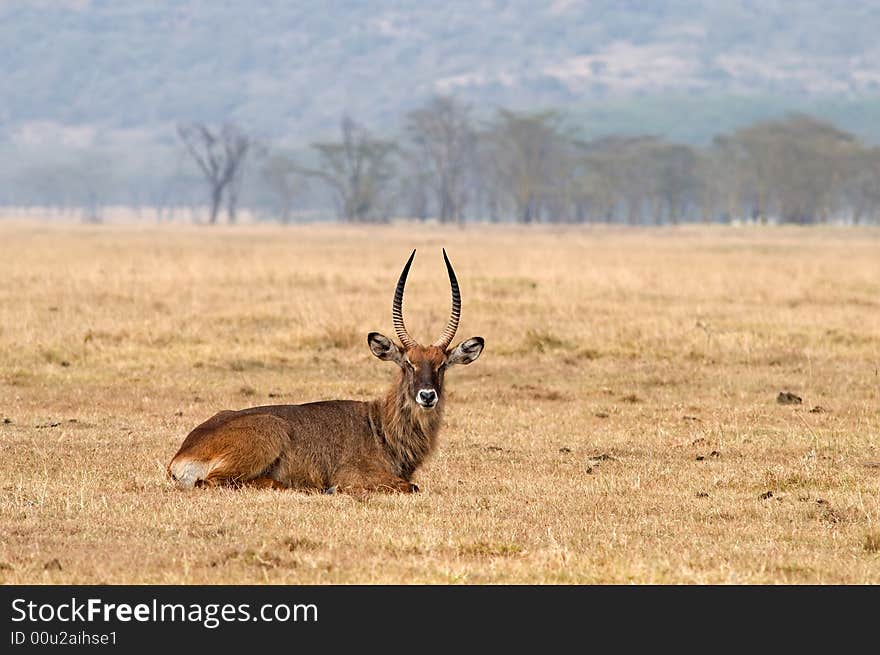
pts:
pixel 384 348
pixel 465 352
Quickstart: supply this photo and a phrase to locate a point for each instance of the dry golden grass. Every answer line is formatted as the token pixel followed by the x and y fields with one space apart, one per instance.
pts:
pixel 621 426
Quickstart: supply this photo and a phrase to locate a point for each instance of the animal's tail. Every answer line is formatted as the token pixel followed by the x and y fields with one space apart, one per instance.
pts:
pixel 231 451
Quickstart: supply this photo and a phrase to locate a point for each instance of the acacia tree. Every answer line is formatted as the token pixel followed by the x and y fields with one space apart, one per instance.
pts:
pixel 793 166
pixel 220 155
pixel 676 177
pixel 413 190
pixel 615 172
pixel 443 140
pixel 710 172
pixel 527 152
pixel 861 189
pixel 358 169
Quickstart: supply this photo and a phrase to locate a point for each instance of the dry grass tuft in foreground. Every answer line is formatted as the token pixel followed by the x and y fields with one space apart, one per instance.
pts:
pixel 621 426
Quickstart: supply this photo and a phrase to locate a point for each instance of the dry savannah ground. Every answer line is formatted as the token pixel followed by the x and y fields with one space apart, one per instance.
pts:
pixel 622 425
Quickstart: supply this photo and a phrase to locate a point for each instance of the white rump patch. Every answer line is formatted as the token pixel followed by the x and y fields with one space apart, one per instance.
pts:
pixel 187 472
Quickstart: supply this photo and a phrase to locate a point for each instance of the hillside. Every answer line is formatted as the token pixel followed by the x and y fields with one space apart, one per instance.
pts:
pixel 290 69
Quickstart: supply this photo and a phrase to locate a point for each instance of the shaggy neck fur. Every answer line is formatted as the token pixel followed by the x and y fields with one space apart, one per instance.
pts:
pixel 410 432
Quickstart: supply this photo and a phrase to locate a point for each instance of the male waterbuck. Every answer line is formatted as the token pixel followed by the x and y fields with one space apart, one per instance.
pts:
pixel 344 445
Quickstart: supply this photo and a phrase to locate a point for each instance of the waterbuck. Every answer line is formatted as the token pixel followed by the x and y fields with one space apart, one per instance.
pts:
pixel 346 445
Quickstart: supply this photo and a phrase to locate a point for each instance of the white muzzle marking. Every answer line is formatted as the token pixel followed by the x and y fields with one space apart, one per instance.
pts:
pixel 427 398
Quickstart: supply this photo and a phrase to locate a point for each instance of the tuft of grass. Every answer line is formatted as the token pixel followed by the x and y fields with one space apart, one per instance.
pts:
pixel 301 544
pixel 872 542
pixel 342 337
pixel 239 365
pixel 543 341
pixel 54 356
pixel 490 549
pixel 19 377
pixel 588 353
pixel 332 337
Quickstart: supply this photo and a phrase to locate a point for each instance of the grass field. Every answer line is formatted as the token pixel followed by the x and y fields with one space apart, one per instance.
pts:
pixel 621 426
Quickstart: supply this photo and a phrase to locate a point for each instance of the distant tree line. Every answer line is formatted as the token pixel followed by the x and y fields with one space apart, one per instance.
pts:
pixel 449 166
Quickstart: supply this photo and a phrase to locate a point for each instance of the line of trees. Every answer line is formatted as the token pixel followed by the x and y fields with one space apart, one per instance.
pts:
pixel 449 165
pixel 530 168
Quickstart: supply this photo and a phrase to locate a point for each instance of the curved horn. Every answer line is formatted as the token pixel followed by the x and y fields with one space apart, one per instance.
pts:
pixel 448 334
pixel 397 308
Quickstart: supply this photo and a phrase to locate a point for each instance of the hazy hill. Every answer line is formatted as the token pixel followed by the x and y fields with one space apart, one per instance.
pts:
pixel 289 69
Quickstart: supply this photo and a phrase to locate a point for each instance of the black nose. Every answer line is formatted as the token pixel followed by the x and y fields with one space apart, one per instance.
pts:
pixel 427 397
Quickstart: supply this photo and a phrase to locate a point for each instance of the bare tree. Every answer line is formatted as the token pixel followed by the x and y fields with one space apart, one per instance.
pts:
pixel 220 155
pixel 284 181
pixel 443 138
pixel 93 176
pixel 358 170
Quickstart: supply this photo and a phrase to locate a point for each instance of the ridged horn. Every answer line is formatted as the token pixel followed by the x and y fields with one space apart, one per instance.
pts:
pixel 397 308
pixel 455 315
